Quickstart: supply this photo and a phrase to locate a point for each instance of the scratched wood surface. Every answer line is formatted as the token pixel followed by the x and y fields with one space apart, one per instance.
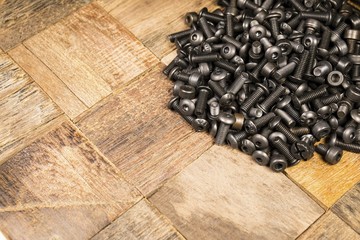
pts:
pixel 91 53
pixel 327 182
pixel 329 226
pixel 348 208
pixel 142 221
pixel 48 81
pixel 22 19
pixel 152 21
pixel 60 187
pixel 225 195
pixel 137 132
pixel 25 108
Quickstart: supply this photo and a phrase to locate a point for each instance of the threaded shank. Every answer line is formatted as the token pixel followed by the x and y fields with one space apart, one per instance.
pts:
pixel 252 100
pixel 288 134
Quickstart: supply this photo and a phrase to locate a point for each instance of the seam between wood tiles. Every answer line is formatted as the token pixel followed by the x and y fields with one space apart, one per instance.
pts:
pixel 118 216
pixel 344 221
pixel 316 220
pixel 313 197
pixel 114 92
pixel 48 26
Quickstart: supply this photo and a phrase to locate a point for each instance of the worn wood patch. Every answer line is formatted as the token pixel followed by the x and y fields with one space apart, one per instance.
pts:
pixel 23 19
pixel 91 53
pixel 136 131
pixel 48 81
pixel 153 21
pixel 329 226
pixel 327 182
pixel 60 187
pixel 140 222
pixel 225 195
pixel 12 77
pixel 22 112
pixel 348 208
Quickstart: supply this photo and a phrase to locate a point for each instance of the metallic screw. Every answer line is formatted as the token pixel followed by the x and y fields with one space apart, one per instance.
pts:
pixel 186 33
pixel 307 97
pixel 276 124
pixel 204 94
pixel 289 121
pixel 278 162
pixel 325 17
pixel 283 148
pixel 217 88
pixel 254 97
pixel 253 126
pixel 226 120
pixel 234 139
pixel 301 68
pixel 255 73
pixel 298 5
pixel 247 4
pixel 300 131
pixel 271 99
pixel 331 154
pixel 345 146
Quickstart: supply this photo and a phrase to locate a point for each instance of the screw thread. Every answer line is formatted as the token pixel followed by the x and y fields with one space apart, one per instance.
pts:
pixel 285 71
pixel 334 50
pixel 221 134
pixel 209 57
pixel 229 25
pixel 180 34
pixel 293 113
pixel 251 5
pixel 240 136
pixel 238 83
pixel 321 149
pixel 298 5
pixel 257 69
pixel 260 122
pixel 317 103
pixel 217 88
pixel 225 65
pixel 331 99
pixel 300 70
pixel 300 131
pixel 321 16
pixel 283 148
pixel 333 59
pixel 294 21
pixel 168 68
pixel 274 27
pixel 201 103
pixel 272 98
pixel 348 146
pixel 252 99
pixel 325 39
pixel 351 45
pixel 205 27
pixel 341 28
pixel 181 76
pixel 307 97
pixel 212 17
pixel 288 134
pixel 311 59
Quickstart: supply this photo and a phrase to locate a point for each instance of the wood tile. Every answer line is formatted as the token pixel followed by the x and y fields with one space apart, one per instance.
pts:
pixel 60 187
pixel 152 21
pixel 137 132
pixel 22 19
pixel 225 195
pixel 140 222
pixel 329 226
pixel 327 182
pixel 348 208
pixel 12 77
pixel 91 53
pixel 48 81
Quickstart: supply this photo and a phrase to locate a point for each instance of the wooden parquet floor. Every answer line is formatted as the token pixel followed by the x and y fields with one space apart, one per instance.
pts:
pixel 89 149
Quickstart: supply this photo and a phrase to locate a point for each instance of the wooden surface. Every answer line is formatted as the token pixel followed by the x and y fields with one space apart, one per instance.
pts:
pixel 225 195
pixel 22 19
pixel 348 208
pixel 152 21
pixel 60 187
pixel 327 182
pixel 329 226
pixel 90 150
pixel 145 140
pixel 141 222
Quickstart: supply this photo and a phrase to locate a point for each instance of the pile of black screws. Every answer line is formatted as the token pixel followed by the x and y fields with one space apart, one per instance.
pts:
pixel 272 78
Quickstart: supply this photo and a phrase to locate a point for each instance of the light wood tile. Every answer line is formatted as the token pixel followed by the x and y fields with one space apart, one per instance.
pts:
pixel 136 131
pixel 60 187
pixel 22 19
pixel 12 77
pixel 327 182
pixel 91 53
pixel 153 21
pixel 329 226
pixel 348 208
pixel 225 195
pixel 48 81
pixel 140 222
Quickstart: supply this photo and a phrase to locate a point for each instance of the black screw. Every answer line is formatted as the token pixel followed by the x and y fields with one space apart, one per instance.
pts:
pixel 253 126
pixel 271 99
pixel 331 154
pixel 283 148
pixel 301 68
pixel 204 94
pixel 285 104
pixel 307 97
pixel 234 139
pixel 226 120
pixel 260 91
pixel 351 147
pixel 276 124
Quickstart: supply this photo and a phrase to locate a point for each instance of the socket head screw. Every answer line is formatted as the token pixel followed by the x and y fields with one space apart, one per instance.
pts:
pixel 331 154
pixel 321 129
pixel 261 157
pixel 218 75
pixel 310 40
pixel 284 102
pixel 196 38
pixel 257 32
pixel 348 135
pixel 260 141
pixel 335 78
pixel 187 92
pixel 191 18
pixel 187 107
pixel 324 112
pixel 278 162
pixel 228 51
pixel 247 146
pixel 232 141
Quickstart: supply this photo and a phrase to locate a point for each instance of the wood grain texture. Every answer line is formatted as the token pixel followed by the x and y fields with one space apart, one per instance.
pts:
pixel 59 187
pixel 322 180
pixel 48 81
pixel 91 53
pixel 137 132
pixel 12 77
pixel 348 208
pixel 153 21
pixel 140 222
pixel 225 195
pixel 22 112
pixel 329 226
pixel 23 19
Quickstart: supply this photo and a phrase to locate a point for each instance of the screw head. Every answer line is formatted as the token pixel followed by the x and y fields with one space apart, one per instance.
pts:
pixel 274 122
pixel 308 118
pixel 260 141
pixel 261 157
pixel 284 102
pixel 348 135
pixel 247 146
pixel 231 140
pixel 332 139
pixel 227 118
pixel 333 155
pixel 274 135
pixel 324 112
pixel 250 126
pixel 200 125
pixel 302 150
pixel 257 32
